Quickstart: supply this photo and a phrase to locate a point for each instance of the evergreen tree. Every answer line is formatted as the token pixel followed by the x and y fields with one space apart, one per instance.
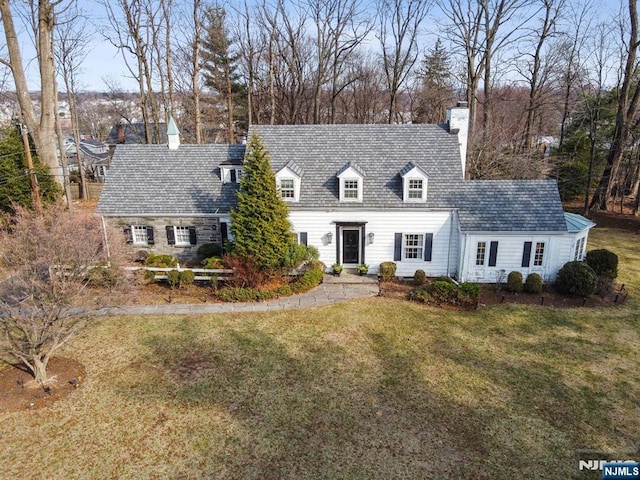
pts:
pixel 260 221
pixel 219 66
pixel 436 85
pixel 15 184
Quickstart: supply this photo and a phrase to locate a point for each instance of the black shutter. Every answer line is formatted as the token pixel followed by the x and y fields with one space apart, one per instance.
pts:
pixel 428 246
pixel 397 248
pixel 303 238
pixel 171 235
pixel 150 239
pixel 129 234
pixel 233 175
pixel 193 238
pixel 493 253
pixel 526 254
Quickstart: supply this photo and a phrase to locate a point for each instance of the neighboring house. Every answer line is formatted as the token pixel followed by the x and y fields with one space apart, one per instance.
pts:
pixel 96 157
pixel 359 194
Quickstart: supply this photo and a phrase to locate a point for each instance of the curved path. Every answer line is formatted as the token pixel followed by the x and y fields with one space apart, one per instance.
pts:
pixel 326 293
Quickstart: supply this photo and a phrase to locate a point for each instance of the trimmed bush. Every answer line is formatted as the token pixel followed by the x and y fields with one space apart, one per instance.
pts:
pixel 173 278
pixel 310 279
pixel 387 271
pixel 106 276
pixel 419 278
pixel 533 284
pixel 187 277
pixel 161 261
pixel 514 282
pixel 209 250
pixel 577 277
pixel 444 292
pixel 421 295
pixel 471 289
pixel 603 262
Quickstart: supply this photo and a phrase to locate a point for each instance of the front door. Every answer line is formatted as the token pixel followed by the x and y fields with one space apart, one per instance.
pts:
pixel 351 246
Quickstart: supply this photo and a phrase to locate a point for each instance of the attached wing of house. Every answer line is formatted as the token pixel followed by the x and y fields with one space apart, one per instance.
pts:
pixel 359 194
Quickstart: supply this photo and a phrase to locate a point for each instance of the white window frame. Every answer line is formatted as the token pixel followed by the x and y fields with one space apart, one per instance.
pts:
pixel 538 254
pixel 287 174
pixel 139 235
pixel 415 174
pixel 351 175
pixel 288 193
pixel 416 246
pixel 225 173
pixel 348 187
pixel 481 254
pixel 180 237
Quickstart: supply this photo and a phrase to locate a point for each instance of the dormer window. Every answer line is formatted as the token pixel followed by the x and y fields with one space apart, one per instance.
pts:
pixel 415 189
pixel 287 188
pixel 230 174
pixel 288 181
pixel 414 183
pixel 351 180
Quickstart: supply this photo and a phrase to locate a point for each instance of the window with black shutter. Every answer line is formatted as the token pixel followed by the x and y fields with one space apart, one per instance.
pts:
pixel 397 248
pixel 150 238
pixel 493 253
pixel 193 239
pixel 171 235
pixel 526 254
pixel 428 246
pixel 128 234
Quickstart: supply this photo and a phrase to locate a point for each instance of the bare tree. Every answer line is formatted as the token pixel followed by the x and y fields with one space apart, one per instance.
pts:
pixel 41 125
pixel 42 302
pixel 537 71
pixel 626 121
pixel 72 47
pixel 399 26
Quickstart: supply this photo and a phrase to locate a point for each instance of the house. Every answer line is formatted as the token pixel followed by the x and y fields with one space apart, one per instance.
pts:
pixel 359 194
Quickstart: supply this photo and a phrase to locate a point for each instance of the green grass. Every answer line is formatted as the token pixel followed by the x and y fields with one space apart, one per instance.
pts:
pixel 376 388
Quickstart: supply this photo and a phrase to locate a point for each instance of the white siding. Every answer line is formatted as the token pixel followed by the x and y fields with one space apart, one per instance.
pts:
pixel 384 225
pixel 558 251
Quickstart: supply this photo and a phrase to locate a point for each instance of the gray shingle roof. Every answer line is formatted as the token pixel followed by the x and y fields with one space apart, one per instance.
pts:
pixel 508 206
pixel 380 152
pixel 151 179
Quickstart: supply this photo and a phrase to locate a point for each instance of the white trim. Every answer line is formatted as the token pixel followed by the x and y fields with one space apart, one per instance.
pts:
pixel 287 174
pixel 351 175
pixel 412 175
pixel 420 247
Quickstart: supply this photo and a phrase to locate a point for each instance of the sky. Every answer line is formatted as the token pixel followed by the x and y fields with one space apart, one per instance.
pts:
pixel 104 61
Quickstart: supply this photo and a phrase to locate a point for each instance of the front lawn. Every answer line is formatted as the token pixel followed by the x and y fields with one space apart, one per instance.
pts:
pixel 377 388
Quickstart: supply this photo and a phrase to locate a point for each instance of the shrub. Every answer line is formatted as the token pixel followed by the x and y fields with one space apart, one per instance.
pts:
pixel 472 290
pixel 187 277
pixel 106 276
pixel 213 263
pixel 387 271
pixel 209 250
pixel 444 292
pixel 173 278
pixel 577 277
pixel 419 278
pixel 603 262
pixel 310 279
pixel 421 295
pixel 514 282
pixel 161 261
pixel 246 274
pixel 150 276
pixel 300 255
pixel 533 284
pixel 214 281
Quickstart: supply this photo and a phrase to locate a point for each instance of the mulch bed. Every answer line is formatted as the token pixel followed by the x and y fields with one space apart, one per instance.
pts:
pixel 19 392
pixel 490 295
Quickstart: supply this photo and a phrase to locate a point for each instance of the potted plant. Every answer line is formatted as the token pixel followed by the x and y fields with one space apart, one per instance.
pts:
pixel 336 268
pixel 362 269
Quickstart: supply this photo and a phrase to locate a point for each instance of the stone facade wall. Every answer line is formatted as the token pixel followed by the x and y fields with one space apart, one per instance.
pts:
pixel 207 231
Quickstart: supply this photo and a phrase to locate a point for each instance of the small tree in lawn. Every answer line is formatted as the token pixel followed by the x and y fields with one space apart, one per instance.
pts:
pixel 44 263
pixel 260 221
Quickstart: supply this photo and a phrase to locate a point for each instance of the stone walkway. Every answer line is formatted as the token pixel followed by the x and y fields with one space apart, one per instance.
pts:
pixel 332 290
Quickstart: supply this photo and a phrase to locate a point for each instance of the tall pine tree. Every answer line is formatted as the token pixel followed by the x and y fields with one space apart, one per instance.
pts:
pixel 260 221
pixel 219 66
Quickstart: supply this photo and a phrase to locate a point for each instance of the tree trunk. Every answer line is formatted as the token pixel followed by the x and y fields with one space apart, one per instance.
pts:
pixel 39 368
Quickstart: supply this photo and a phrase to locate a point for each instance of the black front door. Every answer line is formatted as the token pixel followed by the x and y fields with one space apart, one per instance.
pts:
pixel 350 246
